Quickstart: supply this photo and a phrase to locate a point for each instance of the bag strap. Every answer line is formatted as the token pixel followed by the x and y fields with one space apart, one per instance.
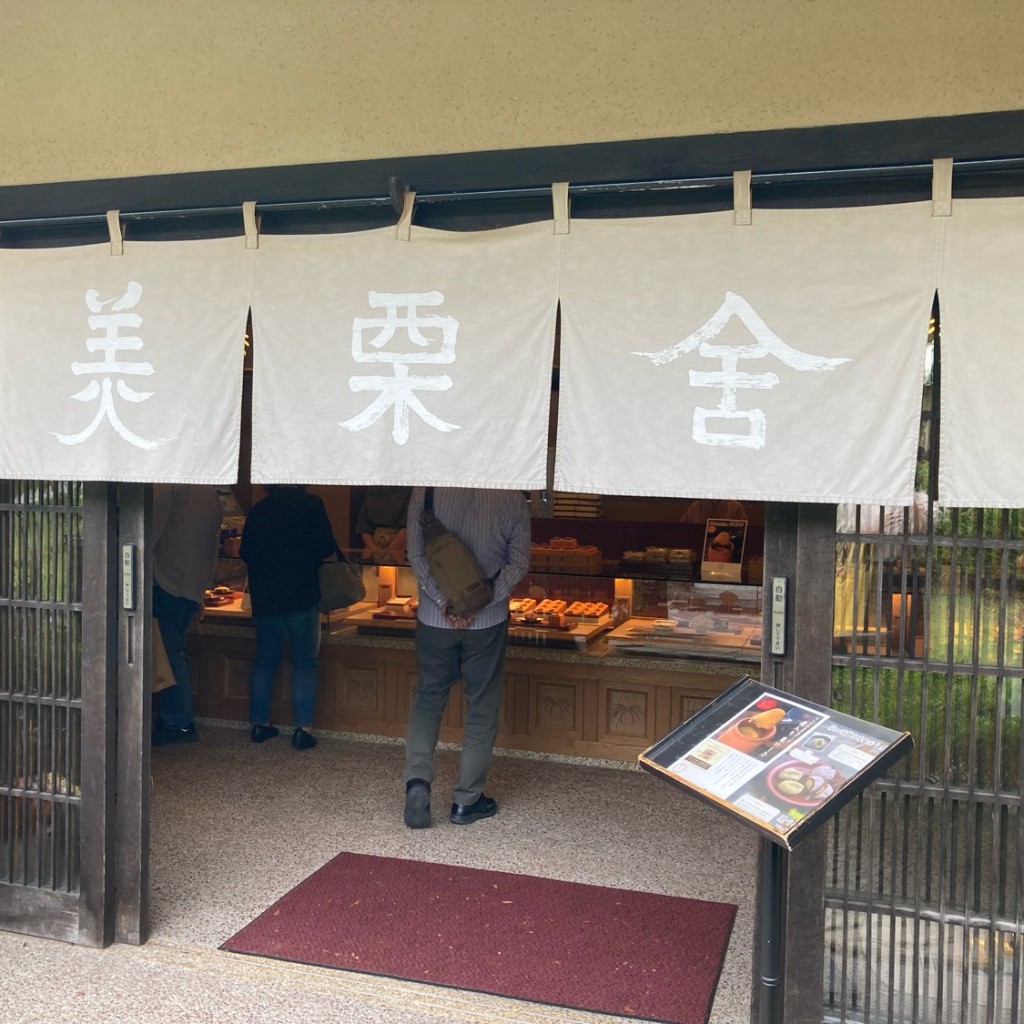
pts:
pixel 433 527
pixel 427 517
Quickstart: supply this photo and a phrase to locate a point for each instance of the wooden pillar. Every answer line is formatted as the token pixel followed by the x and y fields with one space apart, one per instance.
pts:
pixel 134 719
pixel 800 545
pixel 99 713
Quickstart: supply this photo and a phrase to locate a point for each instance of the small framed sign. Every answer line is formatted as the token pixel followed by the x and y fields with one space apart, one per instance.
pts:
pixel 722 553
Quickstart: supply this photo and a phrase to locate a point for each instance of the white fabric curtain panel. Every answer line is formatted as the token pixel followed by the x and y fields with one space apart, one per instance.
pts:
pixel 405 362
pixel 980 292
pixel 780 361
pixel 123 368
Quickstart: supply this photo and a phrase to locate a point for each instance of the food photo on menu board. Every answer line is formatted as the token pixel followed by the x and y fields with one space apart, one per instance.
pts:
pixel 775 761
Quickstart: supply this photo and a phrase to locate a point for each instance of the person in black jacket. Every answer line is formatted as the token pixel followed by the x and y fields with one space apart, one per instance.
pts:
pixel 286 537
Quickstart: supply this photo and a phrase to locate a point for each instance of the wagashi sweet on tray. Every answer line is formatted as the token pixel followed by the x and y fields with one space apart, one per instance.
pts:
pixel 587 609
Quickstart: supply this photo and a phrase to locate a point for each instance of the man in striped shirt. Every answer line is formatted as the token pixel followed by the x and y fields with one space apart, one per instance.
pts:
pixel 495 526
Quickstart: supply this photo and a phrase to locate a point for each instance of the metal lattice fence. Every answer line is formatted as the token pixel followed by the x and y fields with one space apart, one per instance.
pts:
pixel 925 897
pixel 40 683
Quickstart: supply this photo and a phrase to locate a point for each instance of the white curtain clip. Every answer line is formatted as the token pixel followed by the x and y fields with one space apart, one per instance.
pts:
pixel 942 187
pixel 251 224
pixel 114 227
pixel 404 227
pixel 560 206
pixel 741 198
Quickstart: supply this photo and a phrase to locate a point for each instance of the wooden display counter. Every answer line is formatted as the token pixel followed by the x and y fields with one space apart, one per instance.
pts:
pixel 591 702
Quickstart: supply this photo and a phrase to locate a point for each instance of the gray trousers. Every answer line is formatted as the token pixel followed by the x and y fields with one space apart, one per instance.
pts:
pixel 444 656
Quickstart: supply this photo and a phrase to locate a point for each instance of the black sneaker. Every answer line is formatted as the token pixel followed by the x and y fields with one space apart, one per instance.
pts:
pixel 165 734
pixel 301 740
pixel 417 803
pixel 466 814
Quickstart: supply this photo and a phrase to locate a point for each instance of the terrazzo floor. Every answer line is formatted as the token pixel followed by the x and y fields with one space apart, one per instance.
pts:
pixel 236 825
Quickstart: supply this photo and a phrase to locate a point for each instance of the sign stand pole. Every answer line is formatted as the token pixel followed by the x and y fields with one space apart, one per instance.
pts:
pixel 774 863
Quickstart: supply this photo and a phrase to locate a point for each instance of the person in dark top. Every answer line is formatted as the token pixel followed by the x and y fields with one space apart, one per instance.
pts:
pixel 186 521
pixel 286 537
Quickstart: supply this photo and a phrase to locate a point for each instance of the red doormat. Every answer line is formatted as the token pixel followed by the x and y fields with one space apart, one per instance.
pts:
pixel 588 947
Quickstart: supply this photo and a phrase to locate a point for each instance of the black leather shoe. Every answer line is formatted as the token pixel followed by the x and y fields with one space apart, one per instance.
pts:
pixel 165 734
pixel 263 732
pixel 466 814
pixel 417 803
pixel 301 740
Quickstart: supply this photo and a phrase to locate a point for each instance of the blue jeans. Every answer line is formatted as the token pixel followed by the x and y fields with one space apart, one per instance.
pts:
pixel 174 615
pixel 302 630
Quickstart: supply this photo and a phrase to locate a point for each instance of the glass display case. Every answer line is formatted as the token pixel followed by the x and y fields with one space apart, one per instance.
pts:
pixel 626 572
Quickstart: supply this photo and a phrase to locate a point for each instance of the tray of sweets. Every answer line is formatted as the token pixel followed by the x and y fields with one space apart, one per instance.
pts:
pixel 733 638
pixel 557 612
pixel 571 633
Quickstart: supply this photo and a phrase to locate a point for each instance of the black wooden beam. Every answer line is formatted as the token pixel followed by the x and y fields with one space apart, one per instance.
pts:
pixel 884 144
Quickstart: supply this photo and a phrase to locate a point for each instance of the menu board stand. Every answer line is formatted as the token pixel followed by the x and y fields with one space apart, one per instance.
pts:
pixel 783 766
pixel 774 866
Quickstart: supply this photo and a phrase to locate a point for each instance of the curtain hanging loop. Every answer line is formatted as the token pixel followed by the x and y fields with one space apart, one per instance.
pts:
pixel 116 237
pixel 942 187
pixel 560 206
pixel 251 223
pixel 403 230
pixel 741 202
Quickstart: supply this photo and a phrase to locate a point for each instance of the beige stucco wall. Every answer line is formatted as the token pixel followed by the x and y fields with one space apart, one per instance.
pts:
pixel 107 88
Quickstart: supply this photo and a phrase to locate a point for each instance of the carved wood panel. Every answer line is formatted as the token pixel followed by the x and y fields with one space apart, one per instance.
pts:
pixel 555 707
pixel 350 693
pixel 626 714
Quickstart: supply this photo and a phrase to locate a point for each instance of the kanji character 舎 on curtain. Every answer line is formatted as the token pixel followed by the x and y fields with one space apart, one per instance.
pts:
pixel 779 361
